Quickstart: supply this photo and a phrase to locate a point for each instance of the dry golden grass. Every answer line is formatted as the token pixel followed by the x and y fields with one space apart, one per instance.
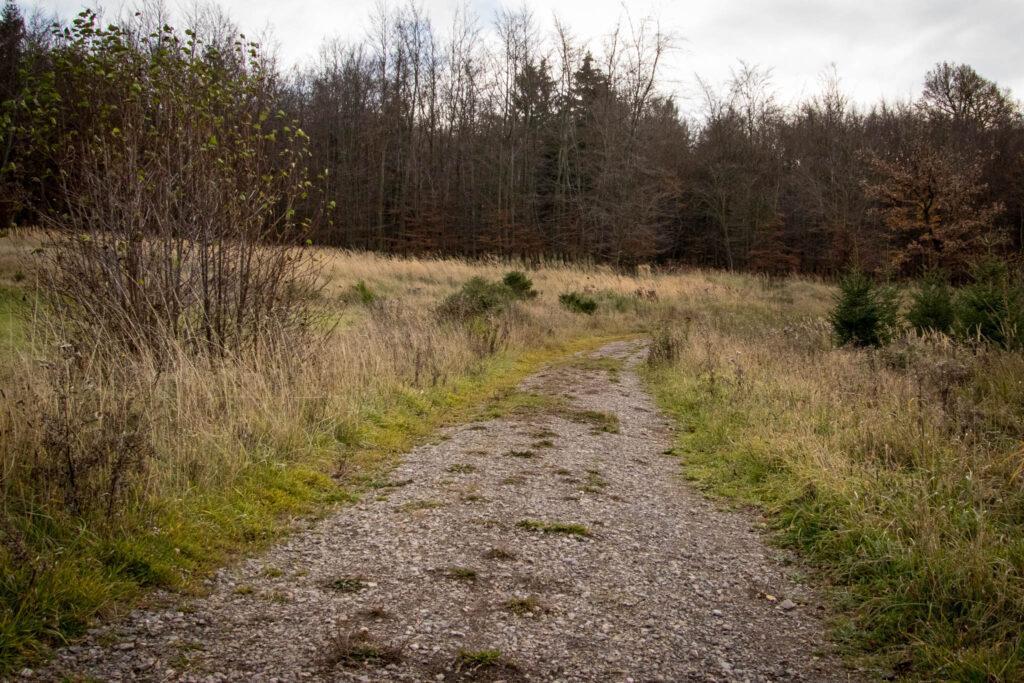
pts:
pixel 202 425
pixel 899 470
pixel 166 466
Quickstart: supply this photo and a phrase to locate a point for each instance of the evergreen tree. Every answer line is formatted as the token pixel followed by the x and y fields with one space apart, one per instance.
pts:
pixel 12 44
pixel 865 314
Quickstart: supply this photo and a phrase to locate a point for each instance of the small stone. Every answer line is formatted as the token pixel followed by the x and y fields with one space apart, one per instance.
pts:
pixel 26 673
pixel 126 646
pixel 717 612
pixel 787 604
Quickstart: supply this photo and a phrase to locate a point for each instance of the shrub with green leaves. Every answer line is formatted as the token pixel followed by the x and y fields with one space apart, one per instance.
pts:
pixel 931 307
pixel 478 297
pixel 578 303
pixel 865 314
pixel 519 286
pixel 991 308
pixel 177 223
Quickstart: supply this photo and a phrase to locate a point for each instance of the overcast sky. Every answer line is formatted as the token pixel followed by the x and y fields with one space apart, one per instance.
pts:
pixel 881 48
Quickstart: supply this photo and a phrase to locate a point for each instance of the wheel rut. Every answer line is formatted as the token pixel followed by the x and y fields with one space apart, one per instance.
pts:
pixel 557 542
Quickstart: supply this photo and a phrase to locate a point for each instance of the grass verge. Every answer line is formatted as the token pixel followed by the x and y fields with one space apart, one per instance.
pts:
pixel 897 472
pixel 73 569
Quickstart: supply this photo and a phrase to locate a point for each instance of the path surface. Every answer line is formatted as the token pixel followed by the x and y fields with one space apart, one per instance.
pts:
pixel 665 588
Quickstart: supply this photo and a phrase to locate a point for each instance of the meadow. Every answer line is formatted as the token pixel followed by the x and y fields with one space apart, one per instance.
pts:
pixel 895 471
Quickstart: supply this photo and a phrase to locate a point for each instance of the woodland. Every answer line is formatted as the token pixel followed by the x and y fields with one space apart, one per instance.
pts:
pixel 510 141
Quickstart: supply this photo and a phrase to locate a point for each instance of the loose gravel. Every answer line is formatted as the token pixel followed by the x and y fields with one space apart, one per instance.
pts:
pixel 539 546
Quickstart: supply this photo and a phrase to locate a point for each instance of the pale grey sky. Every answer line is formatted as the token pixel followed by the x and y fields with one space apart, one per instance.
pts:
pixel 881 48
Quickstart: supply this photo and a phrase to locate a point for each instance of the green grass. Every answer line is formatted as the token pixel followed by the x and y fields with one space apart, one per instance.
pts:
pixel 461 573
pixel 13 309
pixel 94 566
pixel 602 422
pixel 101 570
pixel 346 584
pixel 415 505
pixel 917 529
pixel 363 653
pixel 356 649
pixel 595 482
pixel 521 606
pixel 589 363
pixel 514 403
pixel 471 660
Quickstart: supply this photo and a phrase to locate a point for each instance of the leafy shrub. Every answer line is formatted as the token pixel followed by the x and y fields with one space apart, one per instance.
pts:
pixel 931 305
pixel 578 303
pixel 865 314
pixel 992 307
pixel 178 224
pixel 519 286
pixel 478 297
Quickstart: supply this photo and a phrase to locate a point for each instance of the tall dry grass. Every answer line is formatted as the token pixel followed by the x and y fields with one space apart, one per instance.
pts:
pixel 898 471
pixel 123 471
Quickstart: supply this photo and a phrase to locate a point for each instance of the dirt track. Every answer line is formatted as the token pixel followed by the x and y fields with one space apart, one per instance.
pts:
pixel 546 545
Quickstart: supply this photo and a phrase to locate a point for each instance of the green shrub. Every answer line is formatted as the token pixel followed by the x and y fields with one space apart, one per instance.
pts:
pixel 931 305
pixel 578 303
pixel 992 307
pixel 519 286
pixel 478 297
pixel 364 294
pixel 865 314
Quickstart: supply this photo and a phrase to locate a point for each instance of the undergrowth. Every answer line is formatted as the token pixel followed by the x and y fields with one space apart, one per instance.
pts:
pixel 123 474
pixel 897 471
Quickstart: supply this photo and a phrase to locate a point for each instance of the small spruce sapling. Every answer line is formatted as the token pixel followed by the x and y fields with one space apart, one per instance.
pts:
pixel 865 313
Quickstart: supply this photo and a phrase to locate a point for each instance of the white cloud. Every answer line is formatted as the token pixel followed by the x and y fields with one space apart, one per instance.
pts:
pixel 881 48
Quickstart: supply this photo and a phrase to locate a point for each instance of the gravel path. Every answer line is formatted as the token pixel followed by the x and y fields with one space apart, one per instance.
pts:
pixel 540 546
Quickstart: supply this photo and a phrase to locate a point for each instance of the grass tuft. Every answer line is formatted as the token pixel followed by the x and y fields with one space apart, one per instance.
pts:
pixel 347 584
pixel 414 505
pixel 602 422
pixel 355 649
pixel 500 554
pixel 556 528
pixel 461 573
pixel 473 660
pixel 521 606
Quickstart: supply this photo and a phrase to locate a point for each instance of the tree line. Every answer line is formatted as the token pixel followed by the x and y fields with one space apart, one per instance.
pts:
pixel 506 140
